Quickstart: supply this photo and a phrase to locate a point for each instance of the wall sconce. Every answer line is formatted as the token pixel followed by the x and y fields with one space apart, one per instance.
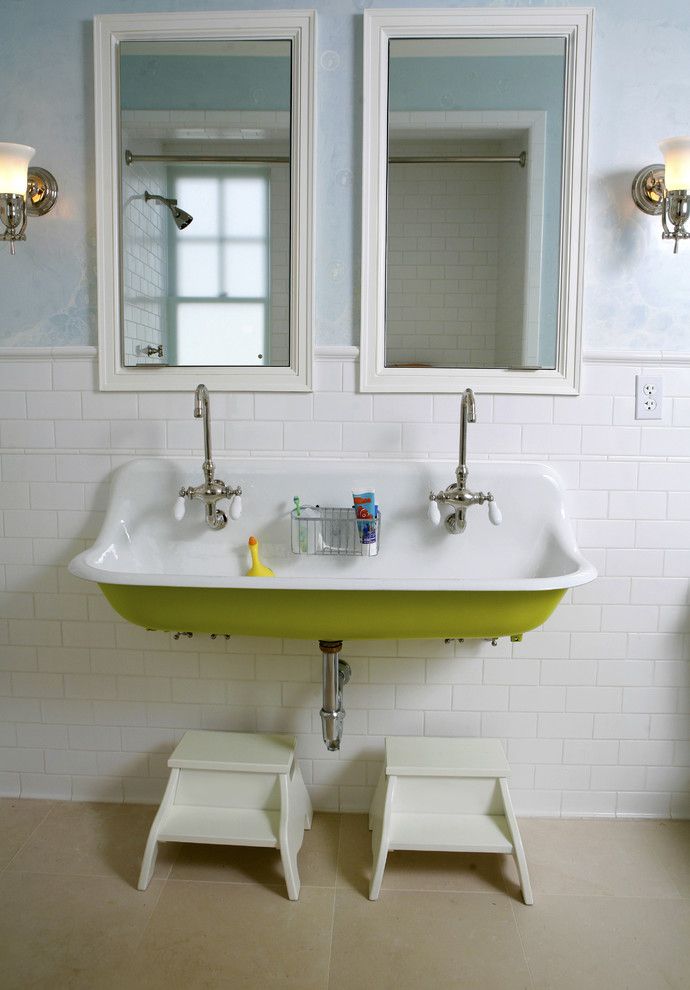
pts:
pixel 24 191
pixel 663 189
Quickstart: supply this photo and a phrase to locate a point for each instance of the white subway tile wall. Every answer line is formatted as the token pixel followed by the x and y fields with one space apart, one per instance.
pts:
pixel 448 237
pixel 429 263
pixel 593 708
pixel 144 260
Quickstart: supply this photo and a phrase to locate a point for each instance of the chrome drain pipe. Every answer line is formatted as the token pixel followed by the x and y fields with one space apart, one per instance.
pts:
pixel 336 673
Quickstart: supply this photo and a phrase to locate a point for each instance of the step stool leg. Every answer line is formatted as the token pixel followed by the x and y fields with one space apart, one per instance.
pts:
pixel 379 846
pixel 302 791
pixel 292 817
pixel 518 848
pixel 292 880
pixel 151 851
pixel 380 838
pixel 376 809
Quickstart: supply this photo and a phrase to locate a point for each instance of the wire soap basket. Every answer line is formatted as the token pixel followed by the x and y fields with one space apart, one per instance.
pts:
pixel 334 531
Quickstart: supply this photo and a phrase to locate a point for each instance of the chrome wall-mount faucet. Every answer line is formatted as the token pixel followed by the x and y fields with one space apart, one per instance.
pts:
pixel 212 490
pixel 457 495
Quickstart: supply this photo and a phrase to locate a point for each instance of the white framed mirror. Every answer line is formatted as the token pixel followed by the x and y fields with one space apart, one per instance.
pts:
pixel 204 170
pixel 474 171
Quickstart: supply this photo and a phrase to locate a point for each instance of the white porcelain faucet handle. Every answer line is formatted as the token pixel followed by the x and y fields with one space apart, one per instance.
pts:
pixel 434 513
pixel 179 508
pixel 236 507
pixel 495 515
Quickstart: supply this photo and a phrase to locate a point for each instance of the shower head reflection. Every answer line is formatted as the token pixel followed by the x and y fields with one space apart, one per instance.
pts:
pixel 181 218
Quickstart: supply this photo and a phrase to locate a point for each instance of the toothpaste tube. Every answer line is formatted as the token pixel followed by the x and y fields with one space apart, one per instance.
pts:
pixel 365 511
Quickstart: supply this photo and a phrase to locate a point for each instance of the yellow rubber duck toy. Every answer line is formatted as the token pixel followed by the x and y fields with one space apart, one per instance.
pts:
pixel 257 569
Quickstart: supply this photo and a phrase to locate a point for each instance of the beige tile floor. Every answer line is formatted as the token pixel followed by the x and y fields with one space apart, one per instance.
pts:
pixel 612 909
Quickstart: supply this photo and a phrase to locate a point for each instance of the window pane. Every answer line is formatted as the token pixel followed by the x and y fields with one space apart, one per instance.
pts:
pixel 199 196
pixel 197 270
pixel 220 333
pixel 244 270
pixel 245 202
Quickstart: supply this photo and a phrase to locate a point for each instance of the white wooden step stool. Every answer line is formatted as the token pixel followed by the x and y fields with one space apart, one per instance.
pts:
pixel 235 789
pixel 444 794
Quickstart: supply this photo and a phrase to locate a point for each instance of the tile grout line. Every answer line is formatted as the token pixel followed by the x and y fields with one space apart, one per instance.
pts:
pixel 12 858
pixel 144 929
pixel 522 944
pixel 335 895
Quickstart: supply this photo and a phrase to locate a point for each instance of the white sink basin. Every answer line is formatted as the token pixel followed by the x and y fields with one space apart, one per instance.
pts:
pixel 488 581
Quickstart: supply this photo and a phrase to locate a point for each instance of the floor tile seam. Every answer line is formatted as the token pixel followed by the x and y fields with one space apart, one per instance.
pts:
pixel 434 890
pixel 28 837
pixel 335 898
pixel 331 939
pixel 667 872
pixel 611 897
pixel 522 944
pixel 249 883
pixel 338 849
pixel 448 890
pixel 75 876
pixel 145 927
pixel 172 859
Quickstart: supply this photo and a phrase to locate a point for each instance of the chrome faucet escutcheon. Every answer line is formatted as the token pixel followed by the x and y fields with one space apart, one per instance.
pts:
pixel 457 495
pixel 212 489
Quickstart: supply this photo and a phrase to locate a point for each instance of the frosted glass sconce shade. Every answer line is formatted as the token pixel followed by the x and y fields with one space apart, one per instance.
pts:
pixel 14 166
pixel 676 152
pixel 662 189
pixel 24 191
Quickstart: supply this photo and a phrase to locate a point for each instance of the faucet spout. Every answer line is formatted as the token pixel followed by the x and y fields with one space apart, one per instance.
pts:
pixel 202 410
pixel 213 489
pixel 201 401
pixel 468 414
pixel 458 496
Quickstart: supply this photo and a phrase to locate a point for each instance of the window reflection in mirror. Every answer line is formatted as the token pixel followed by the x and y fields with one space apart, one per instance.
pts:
pixel 475 149
pixel 205 133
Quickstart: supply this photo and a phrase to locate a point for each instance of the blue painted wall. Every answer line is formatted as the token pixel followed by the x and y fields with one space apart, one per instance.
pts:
pixel 193 82
pixel 637 294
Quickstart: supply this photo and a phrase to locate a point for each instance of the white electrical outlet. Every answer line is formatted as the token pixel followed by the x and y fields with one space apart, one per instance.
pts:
pixel 649 396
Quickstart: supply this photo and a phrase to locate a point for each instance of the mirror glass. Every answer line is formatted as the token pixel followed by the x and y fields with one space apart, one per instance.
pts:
pixel 475 161
pixel 204 162
pixel 205 139
pixel 473 202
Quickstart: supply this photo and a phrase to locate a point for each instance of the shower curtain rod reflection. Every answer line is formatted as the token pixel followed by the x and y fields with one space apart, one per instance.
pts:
pixel 520 159
pixel 130 158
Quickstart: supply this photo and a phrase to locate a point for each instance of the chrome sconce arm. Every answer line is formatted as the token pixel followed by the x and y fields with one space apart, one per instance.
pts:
pixel 662 190
pixel 13 218
pixel 25 190
pixel 675 210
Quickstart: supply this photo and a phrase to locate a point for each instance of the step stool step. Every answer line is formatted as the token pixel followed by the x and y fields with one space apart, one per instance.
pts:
pixel 426 756
pixel 243 752
pixel 221 826
pixel 450 833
